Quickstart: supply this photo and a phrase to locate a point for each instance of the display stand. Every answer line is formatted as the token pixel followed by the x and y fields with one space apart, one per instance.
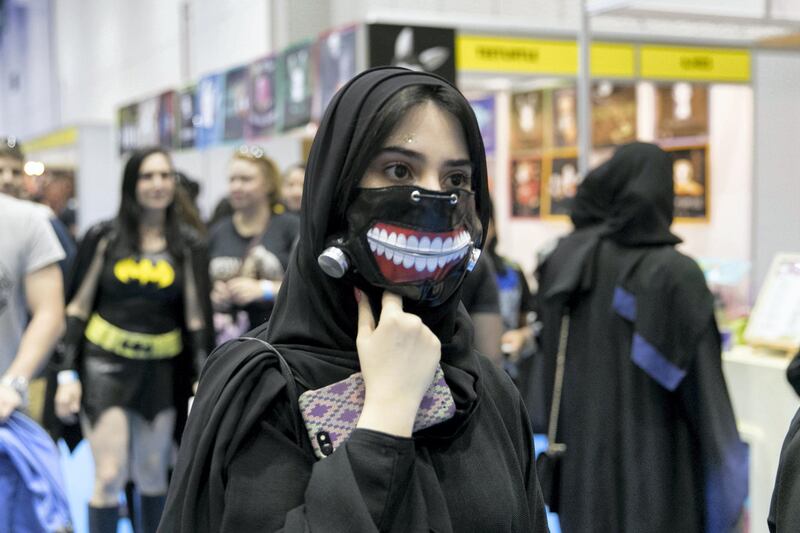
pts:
pixel 775 321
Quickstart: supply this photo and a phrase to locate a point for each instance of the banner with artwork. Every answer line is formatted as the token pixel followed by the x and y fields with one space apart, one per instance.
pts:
pixel 237 103
pixel 210 125
pixel 263 115
pixel 415 47
pixel 296 91
pixel 336 65
pixel 485 114
pixel 128 123
pixel 147 122
pixel 167 119
pixel 187 117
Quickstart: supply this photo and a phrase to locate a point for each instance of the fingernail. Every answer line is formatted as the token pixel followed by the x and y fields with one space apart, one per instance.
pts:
pixel 357 294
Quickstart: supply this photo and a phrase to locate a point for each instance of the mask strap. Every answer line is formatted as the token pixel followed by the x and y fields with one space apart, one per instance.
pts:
pixel 417 195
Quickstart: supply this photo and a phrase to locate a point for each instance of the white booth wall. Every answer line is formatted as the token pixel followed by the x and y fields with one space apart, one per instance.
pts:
pixel 776 194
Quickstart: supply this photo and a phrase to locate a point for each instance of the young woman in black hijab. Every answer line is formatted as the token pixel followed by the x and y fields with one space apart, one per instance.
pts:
pixel 397 167
pixel 651 440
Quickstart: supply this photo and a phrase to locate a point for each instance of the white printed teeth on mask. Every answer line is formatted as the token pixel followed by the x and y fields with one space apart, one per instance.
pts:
pixel 405 255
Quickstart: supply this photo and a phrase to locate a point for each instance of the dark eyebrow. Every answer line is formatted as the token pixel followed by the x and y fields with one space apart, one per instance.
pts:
pixel 419 157
pixel 402 151
pixel 458 163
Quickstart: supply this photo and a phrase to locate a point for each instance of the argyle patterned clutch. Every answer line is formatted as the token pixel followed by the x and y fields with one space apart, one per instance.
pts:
pixel 331 413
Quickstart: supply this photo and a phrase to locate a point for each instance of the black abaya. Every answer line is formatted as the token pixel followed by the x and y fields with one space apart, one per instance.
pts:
pixel 651 438
pixel 248 468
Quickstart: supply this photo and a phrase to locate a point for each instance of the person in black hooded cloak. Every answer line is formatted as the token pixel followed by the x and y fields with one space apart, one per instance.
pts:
pixel 396 183
pixel 650 435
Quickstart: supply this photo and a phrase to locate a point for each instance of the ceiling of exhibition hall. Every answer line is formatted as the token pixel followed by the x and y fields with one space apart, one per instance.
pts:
pixel 739 22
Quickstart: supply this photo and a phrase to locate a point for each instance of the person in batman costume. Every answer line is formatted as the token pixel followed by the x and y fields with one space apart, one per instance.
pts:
pixel 397 167
pixel 138 332
pixel 650 435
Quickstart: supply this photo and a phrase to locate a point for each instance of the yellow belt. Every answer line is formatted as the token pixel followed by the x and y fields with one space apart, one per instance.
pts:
pixel 133 345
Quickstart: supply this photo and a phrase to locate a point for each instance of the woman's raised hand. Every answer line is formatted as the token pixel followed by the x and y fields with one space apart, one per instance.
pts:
pixel 398 359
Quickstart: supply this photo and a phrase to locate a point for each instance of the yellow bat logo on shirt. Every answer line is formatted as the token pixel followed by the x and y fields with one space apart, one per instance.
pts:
pixel 145 271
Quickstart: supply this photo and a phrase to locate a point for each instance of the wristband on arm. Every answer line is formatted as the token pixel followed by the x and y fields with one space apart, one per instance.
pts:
pixel 267 290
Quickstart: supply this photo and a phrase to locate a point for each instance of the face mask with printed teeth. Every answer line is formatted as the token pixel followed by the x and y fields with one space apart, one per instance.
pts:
pixel 405 255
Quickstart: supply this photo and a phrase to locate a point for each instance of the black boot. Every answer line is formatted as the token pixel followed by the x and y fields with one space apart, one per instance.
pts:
pixel 103 519
pixel 150 509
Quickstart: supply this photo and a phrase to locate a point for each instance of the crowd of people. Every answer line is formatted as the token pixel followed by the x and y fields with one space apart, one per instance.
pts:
pixel 355 362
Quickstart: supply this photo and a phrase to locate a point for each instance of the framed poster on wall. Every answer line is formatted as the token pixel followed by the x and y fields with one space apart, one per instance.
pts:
pixel 565 117
pixel 681 111
pixel 613 114
pixel 562 184
pixel 526 185
pixel 527 120
pixel 690 178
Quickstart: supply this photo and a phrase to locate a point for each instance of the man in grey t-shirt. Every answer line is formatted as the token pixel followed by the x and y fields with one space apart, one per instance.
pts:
pixel 30 285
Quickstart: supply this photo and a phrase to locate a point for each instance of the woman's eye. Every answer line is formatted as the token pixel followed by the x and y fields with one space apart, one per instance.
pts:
pixel 458 180
pixel 398 171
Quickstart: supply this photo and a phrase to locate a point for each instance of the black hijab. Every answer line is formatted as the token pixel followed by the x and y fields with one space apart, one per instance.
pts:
pixel 628 201
pixel 315 317
pixel 631 195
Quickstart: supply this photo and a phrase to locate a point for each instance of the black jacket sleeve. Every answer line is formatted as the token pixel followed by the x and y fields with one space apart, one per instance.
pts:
pixel 200 340
pixel 70 348
pixel 724 457
pixel 784 510
pixel 359 488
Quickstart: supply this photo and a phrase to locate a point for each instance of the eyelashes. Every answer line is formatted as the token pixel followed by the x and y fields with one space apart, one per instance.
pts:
pixel 403 173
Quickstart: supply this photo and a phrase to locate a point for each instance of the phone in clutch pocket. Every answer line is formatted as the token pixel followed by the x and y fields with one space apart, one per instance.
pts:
pixel 331 413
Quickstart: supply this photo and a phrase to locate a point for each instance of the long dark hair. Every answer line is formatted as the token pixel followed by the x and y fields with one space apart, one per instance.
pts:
pixel 130 212
pixel 383 123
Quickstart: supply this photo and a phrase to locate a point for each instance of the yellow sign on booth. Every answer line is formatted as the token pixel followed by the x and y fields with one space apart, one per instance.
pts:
pixel 57 139
pixel 538 56
pixel 613 60
pixel 706 64
pixel 508 54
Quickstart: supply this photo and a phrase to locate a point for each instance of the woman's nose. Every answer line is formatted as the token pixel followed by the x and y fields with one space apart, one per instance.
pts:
pixel 430 180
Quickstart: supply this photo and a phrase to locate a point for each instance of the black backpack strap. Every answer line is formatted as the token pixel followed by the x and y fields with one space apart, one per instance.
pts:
pixel 291 385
